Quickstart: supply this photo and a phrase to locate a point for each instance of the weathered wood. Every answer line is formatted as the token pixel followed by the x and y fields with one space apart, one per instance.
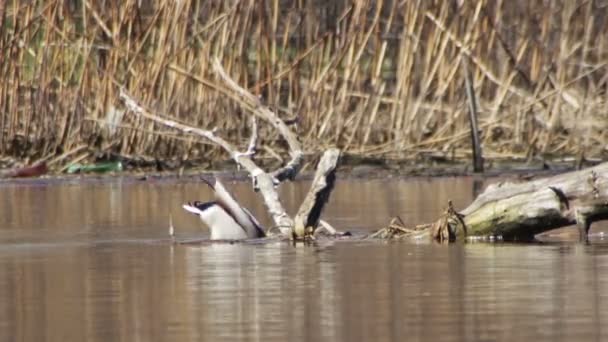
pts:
pixel 310 210
pixel 510 210
pixel 526 209
pixel 289 170
pixel 263 181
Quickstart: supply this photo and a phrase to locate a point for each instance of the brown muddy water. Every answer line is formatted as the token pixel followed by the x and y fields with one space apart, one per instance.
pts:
pixel 90 261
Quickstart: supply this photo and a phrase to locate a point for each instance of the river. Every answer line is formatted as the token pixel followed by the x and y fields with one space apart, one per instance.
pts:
pixel 90 260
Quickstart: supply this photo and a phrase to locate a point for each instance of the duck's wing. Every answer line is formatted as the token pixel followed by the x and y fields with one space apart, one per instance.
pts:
pixel 258 227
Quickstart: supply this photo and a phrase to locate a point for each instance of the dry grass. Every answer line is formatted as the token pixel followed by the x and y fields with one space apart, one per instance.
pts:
pixel 379 78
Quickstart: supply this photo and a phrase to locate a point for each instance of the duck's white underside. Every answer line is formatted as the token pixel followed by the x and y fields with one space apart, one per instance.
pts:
pixel 220 223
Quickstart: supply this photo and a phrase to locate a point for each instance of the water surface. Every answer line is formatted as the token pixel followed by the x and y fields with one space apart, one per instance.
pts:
pixel 91 261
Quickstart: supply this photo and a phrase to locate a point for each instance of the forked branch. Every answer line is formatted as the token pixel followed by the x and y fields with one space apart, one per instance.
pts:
pixel 309 214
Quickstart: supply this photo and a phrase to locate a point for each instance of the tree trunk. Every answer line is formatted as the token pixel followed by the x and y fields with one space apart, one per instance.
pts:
pixel 526 209
pixel 520 210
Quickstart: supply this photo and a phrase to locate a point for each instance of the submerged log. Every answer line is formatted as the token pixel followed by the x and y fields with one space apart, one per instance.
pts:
pixel 510 210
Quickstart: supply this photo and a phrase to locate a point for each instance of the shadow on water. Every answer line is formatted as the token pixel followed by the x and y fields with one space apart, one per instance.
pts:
pixel 93 262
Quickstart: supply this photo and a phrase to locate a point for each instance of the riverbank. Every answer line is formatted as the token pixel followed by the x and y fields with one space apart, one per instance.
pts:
pixel 350 168
pixel 376 79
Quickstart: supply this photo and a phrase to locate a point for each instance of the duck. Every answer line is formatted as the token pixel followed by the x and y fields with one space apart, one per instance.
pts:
pixel 225 218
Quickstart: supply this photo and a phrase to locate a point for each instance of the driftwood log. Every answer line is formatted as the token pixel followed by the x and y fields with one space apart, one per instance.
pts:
pixel 511 210
pixel 527 209
pixel 522 210
pixel 308 217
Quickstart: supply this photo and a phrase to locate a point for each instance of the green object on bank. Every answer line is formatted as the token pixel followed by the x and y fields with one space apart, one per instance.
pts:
pixel 98 168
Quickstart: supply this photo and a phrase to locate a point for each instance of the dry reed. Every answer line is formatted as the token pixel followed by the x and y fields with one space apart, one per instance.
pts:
pixel 376 78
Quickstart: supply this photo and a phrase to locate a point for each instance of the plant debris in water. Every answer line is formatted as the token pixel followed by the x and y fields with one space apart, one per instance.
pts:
pixel 397 229
pixel 449 227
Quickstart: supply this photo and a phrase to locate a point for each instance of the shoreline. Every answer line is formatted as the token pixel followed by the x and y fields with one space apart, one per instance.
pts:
pixel 360 170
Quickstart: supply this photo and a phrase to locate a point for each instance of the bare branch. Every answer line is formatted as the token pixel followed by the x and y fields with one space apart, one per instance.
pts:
pixel 252 143
pixel 209 135
pixel 291 169
pixel 324 225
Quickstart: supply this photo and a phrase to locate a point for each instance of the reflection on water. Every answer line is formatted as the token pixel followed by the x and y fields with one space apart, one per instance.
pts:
pixel 92 262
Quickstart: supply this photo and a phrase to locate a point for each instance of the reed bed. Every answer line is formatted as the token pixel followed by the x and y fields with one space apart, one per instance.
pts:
pixel 375 78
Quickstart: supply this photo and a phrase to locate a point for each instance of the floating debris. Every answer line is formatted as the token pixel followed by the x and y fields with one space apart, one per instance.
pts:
pixel 448 228
pixel 35 170
pixel 397 230
pixel 97 168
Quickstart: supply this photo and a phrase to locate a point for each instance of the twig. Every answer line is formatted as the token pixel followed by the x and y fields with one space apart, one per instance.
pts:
pixel 66 154
pixel 252 143
pixel 329 229
pixel 308 216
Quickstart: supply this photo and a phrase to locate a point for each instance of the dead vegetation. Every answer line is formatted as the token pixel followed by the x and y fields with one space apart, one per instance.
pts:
pixel 374 78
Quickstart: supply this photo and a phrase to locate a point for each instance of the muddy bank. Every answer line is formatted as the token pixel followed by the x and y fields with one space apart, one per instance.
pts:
pixel 350 167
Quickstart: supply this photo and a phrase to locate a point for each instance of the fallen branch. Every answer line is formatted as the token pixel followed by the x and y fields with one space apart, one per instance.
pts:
pixel 526 209
pixel 324 225
pixel 262 180
pixel 310 211
pixel 523 210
